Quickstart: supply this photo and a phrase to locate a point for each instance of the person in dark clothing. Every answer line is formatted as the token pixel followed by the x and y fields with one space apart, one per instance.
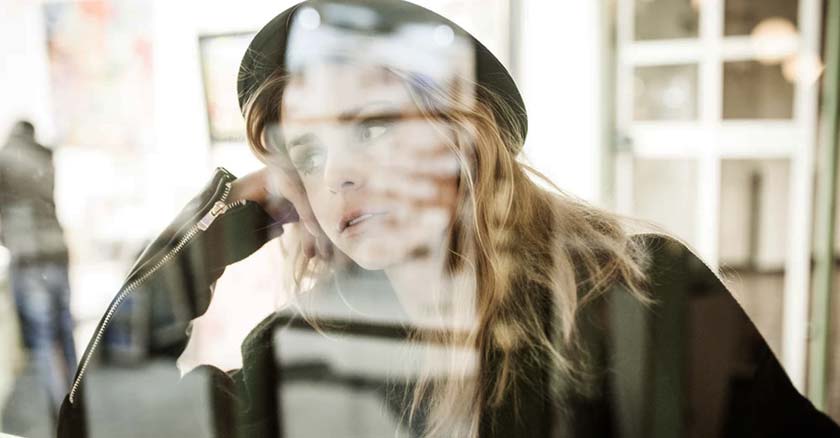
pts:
pixel 390 137
pixel 31 232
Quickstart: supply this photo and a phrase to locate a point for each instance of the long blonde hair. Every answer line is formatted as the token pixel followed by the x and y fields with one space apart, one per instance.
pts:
pixel 531 258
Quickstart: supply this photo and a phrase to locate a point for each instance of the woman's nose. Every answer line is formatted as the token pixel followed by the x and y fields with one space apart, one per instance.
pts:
pixel 347 185
pixel 344 173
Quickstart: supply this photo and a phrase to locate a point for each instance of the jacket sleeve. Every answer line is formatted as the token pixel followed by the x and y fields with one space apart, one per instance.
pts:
pixel 709 370
pixel 183 286
pixel 177 270
pixel 180 266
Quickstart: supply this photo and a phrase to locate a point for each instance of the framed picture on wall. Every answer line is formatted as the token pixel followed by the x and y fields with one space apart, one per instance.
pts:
pixel 220 56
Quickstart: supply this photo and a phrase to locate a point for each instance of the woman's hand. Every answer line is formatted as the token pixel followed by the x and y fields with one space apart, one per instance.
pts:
pixel 282 197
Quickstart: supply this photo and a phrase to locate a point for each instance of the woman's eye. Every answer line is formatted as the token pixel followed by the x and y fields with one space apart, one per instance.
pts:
pixel 307 161
pixel 372 129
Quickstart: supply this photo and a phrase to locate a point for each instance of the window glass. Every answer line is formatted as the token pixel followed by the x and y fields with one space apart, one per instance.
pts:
pixel 666 19
pixel 756 90
pixel 666 92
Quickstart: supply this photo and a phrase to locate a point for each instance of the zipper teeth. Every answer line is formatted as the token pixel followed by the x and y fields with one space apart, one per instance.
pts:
pixel 237 203
pixel 133 285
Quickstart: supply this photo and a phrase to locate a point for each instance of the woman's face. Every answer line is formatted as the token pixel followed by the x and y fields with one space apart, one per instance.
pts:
pixel 379 177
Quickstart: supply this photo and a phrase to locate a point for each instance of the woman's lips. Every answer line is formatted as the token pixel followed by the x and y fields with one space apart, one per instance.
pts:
pixel 354 218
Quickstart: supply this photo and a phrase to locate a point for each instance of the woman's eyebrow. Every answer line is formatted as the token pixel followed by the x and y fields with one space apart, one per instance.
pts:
pixel 352 114
pixel 345 117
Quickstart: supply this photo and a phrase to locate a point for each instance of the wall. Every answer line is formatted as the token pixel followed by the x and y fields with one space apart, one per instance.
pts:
pixel 561 74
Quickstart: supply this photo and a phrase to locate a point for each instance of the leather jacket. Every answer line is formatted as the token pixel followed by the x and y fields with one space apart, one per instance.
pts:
pixel 692 364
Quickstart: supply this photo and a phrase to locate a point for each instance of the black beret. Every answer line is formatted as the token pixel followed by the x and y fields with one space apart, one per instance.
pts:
pixel 266 55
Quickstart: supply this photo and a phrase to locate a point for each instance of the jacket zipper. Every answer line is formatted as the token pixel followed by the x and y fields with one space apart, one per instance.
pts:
pixel 218 209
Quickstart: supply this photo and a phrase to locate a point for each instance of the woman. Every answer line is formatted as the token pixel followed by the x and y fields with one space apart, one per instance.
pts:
pixel 390 138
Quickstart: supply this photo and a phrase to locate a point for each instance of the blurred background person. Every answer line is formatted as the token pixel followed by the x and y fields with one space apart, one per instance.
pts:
pixel 10 342
pixel 38 269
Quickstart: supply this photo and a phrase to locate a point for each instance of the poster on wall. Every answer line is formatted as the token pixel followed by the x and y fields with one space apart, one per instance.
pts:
pixel 100 66
pixel 100 78
pixel 220 57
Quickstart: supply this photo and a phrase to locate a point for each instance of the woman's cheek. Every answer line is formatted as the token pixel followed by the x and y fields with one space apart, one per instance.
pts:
pixel 321 208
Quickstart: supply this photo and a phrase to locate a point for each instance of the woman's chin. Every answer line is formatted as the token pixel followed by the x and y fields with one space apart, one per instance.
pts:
pixel 372 261
pixel 379 251
pixel 374 257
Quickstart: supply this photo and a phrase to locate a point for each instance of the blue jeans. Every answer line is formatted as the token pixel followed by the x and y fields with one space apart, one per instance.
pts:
pixel 42 298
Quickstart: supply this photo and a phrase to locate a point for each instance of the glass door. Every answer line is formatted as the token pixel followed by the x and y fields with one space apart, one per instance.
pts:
pixel 716 119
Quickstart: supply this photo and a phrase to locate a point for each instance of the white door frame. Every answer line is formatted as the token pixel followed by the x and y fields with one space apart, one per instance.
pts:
pixel 710 139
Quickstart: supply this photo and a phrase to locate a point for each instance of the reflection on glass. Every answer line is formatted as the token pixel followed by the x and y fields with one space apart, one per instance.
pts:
pixel 743 16
pixel 664 19
pixel 417 281
pixel 754 195
pixel 665 192
pixel 665 92
pixel 220 55
pixel 752 90
pixel 755 200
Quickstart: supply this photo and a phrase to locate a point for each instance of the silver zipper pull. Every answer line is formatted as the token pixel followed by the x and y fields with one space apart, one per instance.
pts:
pixel 218 209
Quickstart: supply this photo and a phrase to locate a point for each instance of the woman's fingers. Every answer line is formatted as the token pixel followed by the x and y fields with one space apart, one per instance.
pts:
pixel 283 198
pixel 308 243
pixel 250 187
pixel 282 185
